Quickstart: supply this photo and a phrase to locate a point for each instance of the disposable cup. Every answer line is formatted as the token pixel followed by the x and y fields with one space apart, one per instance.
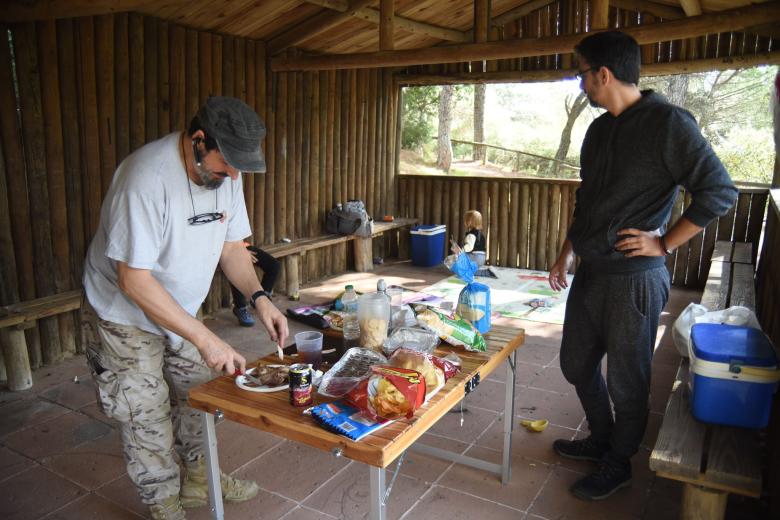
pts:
pixel 309 346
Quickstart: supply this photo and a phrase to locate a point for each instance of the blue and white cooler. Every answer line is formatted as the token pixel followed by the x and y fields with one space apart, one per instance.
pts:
pixel 734 373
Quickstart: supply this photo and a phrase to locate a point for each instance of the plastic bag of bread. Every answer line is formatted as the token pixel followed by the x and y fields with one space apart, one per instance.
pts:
pixel 455 331
pixel 389 393
pixel 434 370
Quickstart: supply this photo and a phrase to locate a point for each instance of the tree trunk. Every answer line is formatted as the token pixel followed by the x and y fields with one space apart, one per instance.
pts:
pixel 444 159
pixel 573 111
pixel 677 89
pixel 479 121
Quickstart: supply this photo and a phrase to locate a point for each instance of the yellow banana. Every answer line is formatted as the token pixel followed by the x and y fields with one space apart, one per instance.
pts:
pixel 534 426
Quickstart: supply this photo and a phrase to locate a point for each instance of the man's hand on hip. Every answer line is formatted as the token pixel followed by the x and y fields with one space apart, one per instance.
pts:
pixel 635 242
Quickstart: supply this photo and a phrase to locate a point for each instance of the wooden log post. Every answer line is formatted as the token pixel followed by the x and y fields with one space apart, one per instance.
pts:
pixel 17 362
pixel 291 263
pixel 699 503
pixel 363 254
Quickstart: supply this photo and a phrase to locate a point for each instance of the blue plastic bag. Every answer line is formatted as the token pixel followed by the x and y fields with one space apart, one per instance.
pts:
pixel 474 299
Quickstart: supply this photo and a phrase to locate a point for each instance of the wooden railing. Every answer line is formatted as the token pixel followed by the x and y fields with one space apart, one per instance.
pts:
pixel 517 163
pixel 526 219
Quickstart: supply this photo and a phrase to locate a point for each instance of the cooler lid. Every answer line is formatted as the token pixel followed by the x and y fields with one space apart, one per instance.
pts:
pixel 726 343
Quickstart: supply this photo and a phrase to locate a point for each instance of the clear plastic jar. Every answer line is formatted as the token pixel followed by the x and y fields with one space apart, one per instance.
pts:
pixel 373 315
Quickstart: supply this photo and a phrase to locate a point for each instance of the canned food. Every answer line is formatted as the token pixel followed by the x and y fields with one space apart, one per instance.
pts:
pixel 300 384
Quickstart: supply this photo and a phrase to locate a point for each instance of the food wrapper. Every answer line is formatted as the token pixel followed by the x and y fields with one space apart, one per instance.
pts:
pixel 422 340
pixel 455 331
pixel 389 393
pixel 353 367
pixel 434 370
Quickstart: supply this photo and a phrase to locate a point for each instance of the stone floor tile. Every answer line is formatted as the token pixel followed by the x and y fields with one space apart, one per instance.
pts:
pixel 123 492
pixel 239 444
pixel 475 421
pixel 442 502
pixel 293 470
pixel 72 395
pixel 92 464
pixel 264 505
pixel 48 377
pixel 57 435
pixel 536 354
pixel 427 468
pixel 551 378
pixel 346 496
pixel 489 395
pixel 555 501
pixel 26 413
pixel 304 513
pixel 527 479
pixel 559 409
pixel 12 463
pixel 7 396
pixel 34 493
pixel 534 446
pixel 524 373
pixel 92 507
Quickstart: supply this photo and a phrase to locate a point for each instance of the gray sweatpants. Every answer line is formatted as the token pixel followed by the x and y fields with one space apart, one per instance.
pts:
pixel 615 314
pixel 143 382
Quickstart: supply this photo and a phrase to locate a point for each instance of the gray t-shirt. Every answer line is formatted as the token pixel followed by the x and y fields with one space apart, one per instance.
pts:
pixel 143 222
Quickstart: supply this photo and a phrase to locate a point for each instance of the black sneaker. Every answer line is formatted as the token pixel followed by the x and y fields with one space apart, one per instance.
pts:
pixel 610 477
pixel 245 318
pixel 581 449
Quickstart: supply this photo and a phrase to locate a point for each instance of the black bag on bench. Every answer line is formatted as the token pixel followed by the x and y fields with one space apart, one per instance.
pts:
pixel 349 219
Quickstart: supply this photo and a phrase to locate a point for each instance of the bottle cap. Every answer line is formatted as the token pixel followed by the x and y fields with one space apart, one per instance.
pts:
pixel 348 287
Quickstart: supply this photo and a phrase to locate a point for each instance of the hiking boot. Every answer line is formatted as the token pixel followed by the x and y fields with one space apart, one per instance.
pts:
pixel 245 318
pixel 581 449
pixel 610 477
pixel 168 509
pixel 195 487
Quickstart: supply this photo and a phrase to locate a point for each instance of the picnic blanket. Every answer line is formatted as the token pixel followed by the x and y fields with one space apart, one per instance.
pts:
pixel 515 293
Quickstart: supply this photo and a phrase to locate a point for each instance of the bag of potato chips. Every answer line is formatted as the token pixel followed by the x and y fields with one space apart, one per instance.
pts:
pixel 389 393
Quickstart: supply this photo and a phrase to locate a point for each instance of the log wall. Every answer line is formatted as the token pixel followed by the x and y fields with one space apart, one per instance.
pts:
pixel 78 95
pixel 526 219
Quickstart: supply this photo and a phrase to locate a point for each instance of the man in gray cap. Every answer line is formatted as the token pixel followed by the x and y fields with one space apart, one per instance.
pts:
pixel 175 209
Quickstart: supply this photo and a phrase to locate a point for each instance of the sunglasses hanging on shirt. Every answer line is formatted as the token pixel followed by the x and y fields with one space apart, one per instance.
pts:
pixel 201 218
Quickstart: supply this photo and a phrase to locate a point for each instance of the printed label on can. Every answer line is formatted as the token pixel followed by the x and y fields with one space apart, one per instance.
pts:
pixel 300 384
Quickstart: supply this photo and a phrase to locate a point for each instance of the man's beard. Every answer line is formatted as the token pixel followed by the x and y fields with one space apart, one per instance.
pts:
pixel 592 102
pixel 209 182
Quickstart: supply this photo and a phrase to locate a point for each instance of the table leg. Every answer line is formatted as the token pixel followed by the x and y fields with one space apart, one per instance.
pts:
pixel 377 494
pixel 212 467
pixel 509 417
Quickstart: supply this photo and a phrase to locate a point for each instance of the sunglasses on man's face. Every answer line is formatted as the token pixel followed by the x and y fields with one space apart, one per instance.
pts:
pixel 204 218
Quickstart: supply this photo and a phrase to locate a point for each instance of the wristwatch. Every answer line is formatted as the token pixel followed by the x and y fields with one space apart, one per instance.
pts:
pixel 258 294
pixel 662 241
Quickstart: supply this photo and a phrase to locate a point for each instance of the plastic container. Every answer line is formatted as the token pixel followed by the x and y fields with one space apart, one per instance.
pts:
pixel 734 374
pixel 350 326
pixel 427 245
pixel 373 317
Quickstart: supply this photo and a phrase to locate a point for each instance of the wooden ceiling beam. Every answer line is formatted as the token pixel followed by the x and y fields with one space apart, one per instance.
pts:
pixel 407 24
pixel 691 7
pixel 537 76
pixel 520 11
pixel 667 12
pixel 30 10
pixel 599 14
pixel 313 26
pixel 722 21
pixel 386 28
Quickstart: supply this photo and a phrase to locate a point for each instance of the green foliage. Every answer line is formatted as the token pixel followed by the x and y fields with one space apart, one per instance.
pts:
pixel 421 106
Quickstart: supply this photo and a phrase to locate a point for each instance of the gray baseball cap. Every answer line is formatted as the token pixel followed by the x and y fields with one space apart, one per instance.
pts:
pixel 238 131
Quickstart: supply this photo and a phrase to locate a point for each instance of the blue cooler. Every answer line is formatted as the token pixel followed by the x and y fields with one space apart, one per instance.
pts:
pixel 734 374
pixel 428 245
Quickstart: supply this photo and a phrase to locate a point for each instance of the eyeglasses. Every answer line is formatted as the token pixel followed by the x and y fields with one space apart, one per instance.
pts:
pixel 205 218
pixel 581 74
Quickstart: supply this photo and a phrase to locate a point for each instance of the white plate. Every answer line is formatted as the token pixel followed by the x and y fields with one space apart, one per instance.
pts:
pixel 242 383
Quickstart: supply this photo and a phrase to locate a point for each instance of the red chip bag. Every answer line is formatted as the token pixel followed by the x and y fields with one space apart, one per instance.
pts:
pixel 389 393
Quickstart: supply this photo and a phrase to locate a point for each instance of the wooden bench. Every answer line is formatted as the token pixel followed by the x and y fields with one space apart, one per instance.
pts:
pixel 363 248
pixel 712 461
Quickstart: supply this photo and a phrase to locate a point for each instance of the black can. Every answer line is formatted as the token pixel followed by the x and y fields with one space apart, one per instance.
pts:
pixel 301 384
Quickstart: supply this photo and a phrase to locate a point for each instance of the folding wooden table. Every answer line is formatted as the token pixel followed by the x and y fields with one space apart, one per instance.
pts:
pixel 273 413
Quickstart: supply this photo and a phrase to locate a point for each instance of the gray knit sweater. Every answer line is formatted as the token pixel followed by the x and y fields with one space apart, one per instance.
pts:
pixel 632 167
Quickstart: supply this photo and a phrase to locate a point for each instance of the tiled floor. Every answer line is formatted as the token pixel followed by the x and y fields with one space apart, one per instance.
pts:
pixel 61 459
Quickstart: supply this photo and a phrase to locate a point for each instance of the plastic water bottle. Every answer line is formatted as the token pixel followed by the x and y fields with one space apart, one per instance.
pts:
pixel 351 325
pixel 381 287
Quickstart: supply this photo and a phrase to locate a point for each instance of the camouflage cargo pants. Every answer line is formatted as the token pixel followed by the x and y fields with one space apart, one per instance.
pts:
pixel 135 372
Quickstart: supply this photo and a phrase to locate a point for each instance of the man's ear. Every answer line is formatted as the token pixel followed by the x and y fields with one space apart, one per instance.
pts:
pixel 604 75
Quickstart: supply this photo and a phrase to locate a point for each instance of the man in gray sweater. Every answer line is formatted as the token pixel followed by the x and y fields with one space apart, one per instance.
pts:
pixel 634 158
